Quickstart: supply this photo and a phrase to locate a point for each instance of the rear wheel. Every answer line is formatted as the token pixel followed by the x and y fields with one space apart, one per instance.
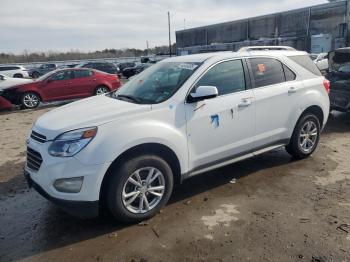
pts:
pixel 101 90
pixel 139 188
pixel 18 76
pixel 29 100
pixel 305 137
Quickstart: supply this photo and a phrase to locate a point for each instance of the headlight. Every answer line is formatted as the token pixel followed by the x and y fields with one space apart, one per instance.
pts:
pixel 71 143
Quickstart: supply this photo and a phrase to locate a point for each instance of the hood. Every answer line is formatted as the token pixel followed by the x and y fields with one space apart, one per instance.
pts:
pixel 93 111
pixel 338 57
pixel 11 82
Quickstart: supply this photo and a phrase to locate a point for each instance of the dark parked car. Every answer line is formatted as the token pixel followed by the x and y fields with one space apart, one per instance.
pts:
pixel 101 66
pixel 131 71
pixel 41 70
pixel 339 77
pixel 61 84
pixel 124 65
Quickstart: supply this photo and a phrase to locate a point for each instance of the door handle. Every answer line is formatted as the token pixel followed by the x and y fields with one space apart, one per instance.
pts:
pixel 245 102
pixel 292 90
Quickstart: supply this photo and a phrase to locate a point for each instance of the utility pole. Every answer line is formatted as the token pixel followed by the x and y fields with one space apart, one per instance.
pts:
pixel 184 24
pixel 147 47
pixel 169 33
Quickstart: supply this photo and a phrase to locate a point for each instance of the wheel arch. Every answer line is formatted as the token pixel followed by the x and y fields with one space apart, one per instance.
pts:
pixel 102 85
pixel 316 110
pixel 150 148
pixel 28 91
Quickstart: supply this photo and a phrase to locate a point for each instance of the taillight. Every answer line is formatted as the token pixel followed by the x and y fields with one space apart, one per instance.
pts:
pixel 327 85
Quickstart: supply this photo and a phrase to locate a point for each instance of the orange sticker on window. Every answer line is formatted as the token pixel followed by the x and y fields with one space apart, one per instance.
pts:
pixel 261 68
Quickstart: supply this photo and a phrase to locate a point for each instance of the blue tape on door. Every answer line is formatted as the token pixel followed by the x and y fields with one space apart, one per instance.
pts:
pixel 215 121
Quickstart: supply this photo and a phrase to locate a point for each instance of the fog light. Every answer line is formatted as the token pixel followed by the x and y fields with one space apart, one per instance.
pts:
pixel 69 185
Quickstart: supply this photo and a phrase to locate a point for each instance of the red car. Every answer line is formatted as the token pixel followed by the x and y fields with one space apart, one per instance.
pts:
pixel 62 84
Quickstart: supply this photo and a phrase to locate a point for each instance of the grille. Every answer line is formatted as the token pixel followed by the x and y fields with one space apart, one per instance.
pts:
pixel 38 137
pixel 34 159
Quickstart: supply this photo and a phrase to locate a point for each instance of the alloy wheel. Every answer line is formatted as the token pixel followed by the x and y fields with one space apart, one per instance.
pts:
pixel 101 90
pixel 308 136
pixel 143 190
pixel 30 100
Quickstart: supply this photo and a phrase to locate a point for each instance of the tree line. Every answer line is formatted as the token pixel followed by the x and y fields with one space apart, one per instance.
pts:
pixel 30 57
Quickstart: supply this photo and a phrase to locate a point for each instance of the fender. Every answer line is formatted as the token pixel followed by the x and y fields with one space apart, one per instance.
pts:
pixel 119 136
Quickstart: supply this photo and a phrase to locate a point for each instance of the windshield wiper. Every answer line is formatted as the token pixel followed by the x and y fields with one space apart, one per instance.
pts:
pixel 128 97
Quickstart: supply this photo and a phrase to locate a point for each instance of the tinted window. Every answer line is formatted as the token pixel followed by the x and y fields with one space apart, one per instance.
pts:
pixel 228 77
pixel 290 76
pixel 267 71
pixel 8 68
pixel 345 68
pixel 64 75
pixel 82 73
pixel 306 62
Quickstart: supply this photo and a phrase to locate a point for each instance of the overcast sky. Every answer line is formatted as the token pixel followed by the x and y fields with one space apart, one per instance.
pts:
pixel 62 25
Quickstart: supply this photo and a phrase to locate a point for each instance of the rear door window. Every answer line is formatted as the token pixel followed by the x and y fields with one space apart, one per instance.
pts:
pixel 82 73
pixel 267 71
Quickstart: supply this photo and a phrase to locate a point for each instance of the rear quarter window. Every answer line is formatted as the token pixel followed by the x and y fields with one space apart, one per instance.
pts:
pixel 307 63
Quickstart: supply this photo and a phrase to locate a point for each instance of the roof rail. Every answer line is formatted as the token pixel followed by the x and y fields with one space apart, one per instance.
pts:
pixel 266 48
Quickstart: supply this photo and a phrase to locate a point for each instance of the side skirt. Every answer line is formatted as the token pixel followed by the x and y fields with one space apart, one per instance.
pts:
pixel 231 160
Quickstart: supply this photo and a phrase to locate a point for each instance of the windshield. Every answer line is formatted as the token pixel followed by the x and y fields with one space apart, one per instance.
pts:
pixel 47 75
pixel 157 83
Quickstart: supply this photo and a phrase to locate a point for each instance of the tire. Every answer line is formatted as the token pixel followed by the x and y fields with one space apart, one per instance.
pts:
pixel 35 74
pixel 120 184
pixel 305 138
pixel 18 76
pixel 101 90
pixel 29 100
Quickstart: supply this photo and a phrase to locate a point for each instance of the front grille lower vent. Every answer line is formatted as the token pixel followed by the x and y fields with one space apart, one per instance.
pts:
pixel 34 159
pixel 38 137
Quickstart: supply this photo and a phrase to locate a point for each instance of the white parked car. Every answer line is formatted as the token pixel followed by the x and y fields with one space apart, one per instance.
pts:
pixel 179 118
pixel 321 61
pixel 6 82
pixel 14 71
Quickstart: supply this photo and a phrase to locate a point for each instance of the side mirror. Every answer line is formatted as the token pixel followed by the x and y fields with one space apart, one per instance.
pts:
pixel 203 92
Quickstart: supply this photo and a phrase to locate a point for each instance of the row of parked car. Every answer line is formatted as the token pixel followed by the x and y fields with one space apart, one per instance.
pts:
pixel 126 69
pixel 27 88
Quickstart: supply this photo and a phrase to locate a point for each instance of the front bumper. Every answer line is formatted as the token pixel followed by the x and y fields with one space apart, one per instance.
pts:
pixel 42 177
pixel 81 209
pixel 5 104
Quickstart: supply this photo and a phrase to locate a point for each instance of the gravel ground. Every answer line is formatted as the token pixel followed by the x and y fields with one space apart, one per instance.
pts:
pixel 269 208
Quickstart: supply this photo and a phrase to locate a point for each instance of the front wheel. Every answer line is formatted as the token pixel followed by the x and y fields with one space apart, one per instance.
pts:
pixel 139 188
pixel 35 75
pixel 29 100
pixel 305 137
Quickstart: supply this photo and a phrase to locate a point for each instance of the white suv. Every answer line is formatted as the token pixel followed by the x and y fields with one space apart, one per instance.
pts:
pixel 14 71
pixel 181 117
